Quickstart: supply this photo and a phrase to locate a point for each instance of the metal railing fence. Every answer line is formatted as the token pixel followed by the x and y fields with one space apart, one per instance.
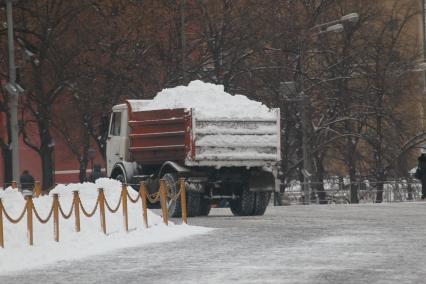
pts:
pixel 56 211
pixel 339 192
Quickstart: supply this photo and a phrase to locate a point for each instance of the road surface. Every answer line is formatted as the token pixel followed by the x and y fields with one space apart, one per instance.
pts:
pixel 374 243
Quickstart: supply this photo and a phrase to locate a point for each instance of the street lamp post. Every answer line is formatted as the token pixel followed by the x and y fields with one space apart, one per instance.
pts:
pixel 333 26
pixel 13 91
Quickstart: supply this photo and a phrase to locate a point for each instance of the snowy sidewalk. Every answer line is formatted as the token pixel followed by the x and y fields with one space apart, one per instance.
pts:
pixel 18 255
pixel 374 243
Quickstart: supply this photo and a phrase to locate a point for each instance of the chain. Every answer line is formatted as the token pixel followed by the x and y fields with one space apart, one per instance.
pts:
pixel 133 200
pixel 154 198
pixel 41 220
pixel 91 213
pixel 14 221
pixel 66 216
pixel 118 205
pixel 174 197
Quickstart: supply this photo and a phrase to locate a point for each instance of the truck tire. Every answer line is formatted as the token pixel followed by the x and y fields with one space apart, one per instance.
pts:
pixel 193 200
pixel 261 202
pixel 243 206
pixel 204 207
pixel 193 203
pixel 119 175
pixel 170 179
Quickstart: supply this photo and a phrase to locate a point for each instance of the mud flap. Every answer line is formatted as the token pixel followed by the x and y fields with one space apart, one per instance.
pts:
pixel 261 181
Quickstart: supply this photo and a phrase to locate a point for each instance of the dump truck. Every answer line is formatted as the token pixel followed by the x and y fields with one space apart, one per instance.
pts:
pixel 221 159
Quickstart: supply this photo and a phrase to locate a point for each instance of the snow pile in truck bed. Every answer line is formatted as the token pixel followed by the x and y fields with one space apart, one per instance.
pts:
pixel 18 255
pixel 209 101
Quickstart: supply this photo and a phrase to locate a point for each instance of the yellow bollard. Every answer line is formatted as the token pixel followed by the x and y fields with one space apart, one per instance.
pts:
pixel 101 199
pixel 29 206
pixel 56 217
pixel 1 225
pixel 163 200
pixel 143 195
pixel 37 189
pixel 76 201
pixel 14 184
pixel 125 212
pixel 183 201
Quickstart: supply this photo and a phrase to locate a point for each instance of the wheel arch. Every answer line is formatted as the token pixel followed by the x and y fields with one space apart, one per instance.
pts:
pixel 128 169
pixel 117 170
pixel 171 166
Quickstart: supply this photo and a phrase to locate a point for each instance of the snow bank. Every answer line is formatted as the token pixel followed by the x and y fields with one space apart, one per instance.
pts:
pixel 208 100
pixel 18 255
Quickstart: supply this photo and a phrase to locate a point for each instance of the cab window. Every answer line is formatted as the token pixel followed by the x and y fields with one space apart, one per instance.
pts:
pixel 115 124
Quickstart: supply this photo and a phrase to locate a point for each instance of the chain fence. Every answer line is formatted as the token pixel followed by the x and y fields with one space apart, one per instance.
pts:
pixel 342 191
pixel 164 195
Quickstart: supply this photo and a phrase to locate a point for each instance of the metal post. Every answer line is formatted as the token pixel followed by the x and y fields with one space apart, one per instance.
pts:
pixel 125 213
pixel 1 225
pixel 143 194
pixel 333 26
pixel 13 96
pixel 101 200
pixel 29 205
pixel 163 200
pixel 183 201
pixel 56 216
pixel 183 40
pixel 76 201
pixel 305 124
pixel 37 189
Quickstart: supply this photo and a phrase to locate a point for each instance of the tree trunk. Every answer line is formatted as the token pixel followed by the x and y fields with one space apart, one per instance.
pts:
pixel 83 169
pixel 354 192
pixel 319 179
pixel 354 186
pixel 7 163
pixel 410 192
pixel 84 160
pixel 47 151
pixel 379 194
pixel 47 166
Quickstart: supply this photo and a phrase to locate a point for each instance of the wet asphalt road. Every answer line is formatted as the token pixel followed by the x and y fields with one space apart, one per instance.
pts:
pixel 382 243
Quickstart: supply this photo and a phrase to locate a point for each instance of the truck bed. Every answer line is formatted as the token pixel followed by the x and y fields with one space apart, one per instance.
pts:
pixel 178 135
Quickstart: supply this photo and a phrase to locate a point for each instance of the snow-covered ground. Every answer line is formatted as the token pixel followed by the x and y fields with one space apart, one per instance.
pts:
pixel 368 243
pixel 18 255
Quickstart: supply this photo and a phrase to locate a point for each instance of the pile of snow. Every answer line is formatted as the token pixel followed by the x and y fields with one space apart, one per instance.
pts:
pixel 208 101
pixel 18 255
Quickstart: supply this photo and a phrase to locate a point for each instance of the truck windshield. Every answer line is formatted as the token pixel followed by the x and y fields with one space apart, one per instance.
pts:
pixel 115 124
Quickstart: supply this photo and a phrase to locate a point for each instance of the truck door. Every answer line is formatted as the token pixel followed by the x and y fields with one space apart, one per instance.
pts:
pixel 115 141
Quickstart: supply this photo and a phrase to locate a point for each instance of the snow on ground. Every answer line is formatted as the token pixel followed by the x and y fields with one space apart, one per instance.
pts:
pixel 321 244
pixel 18 255
pixel 208 101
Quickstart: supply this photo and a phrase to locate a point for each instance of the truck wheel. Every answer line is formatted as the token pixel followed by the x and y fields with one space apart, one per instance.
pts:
pixel 192 204
pixel 121 178
pixel 261 201
pixel 244 205
pixel 170 180
pixel 204 207
pixel 117 174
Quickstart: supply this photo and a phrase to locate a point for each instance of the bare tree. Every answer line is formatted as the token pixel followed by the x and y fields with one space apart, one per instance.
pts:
pixel 44 27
